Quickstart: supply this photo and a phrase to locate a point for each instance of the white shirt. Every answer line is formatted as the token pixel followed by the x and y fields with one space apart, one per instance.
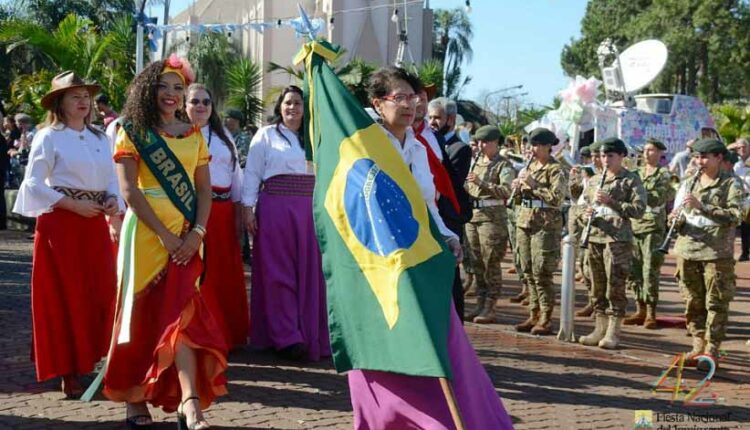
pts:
pixel 224 174
pixel 431 139
pixel 743 172
pixel 111 132
pixel 415 156
pixel 66 158
pixel 680 162
pixel 271 155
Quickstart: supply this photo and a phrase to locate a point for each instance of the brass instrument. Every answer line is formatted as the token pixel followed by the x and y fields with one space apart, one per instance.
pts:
pixel 587 232
pixel 664 248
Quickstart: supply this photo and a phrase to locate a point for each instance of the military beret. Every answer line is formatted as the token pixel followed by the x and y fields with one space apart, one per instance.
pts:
pixel 594 147
pixel 657 144
pixel 731 157
pixel 709 146
pixel 585 151
pixel 234 114
pixel 488 133
pixel 542 136
pixel 613 144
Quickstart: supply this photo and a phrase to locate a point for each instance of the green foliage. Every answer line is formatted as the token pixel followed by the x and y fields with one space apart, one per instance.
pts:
pixel 50 13
pixel 211 57
pixel 733 120
pixel 430 72
pixel 26 92
pixel 243 84
pixel 708 42
pixel 356 76
pixel 452 46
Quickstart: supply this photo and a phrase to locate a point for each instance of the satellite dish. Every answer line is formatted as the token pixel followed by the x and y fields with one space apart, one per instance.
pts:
pixel 641 63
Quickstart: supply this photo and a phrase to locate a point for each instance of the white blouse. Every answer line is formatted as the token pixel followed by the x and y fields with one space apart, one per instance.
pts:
pixel 271 155
pixel 224 174
pixel 415 156
pixel 67 158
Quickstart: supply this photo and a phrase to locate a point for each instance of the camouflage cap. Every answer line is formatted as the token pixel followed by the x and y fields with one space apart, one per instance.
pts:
pixel 657 144
pixel 585 151
pixel 542 136
pixel 613 144
pixel 488 133
pixel 709 146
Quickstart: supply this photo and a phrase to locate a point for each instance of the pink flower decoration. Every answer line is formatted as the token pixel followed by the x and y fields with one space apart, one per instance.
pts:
pixel 181 64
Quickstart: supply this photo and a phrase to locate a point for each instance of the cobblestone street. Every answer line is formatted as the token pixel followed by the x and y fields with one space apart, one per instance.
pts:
pixel 544 383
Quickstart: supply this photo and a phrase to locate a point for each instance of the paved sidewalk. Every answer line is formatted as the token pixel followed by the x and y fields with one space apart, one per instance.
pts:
pixel 544 383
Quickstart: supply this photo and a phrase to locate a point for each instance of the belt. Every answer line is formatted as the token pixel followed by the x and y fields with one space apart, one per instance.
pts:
pixel 221 194
pixel 95 196
pixel 606 211
pixel 654 210
pixel 535 204
pixel 487 203
pixel 699 221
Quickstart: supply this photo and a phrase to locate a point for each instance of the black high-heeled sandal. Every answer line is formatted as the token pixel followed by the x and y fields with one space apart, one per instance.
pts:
pixel 182 418
pixel 131 423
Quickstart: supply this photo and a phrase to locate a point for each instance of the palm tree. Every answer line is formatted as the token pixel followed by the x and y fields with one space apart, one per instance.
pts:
pixel 452 46
pixel 211 57
pixel 733 121
pixel 243 81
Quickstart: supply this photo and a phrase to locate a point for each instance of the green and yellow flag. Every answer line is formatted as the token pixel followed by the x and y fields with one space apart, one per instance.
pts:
pixel 388 272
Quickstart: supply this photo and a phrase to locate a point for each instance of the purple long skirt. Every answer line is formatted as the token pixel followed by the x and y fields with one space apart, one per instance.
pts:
pixel 383 400
pixel 288 296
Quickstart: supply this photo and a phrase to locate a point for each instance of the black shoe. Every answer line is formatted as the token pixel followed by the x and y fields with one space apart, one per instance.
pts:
pixel 296 352
pixel 131 423
pixel 744 257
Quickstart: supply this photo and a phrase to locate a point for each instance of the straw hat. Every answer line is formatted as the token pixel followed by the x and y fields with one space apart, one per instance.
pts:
pixel 65 81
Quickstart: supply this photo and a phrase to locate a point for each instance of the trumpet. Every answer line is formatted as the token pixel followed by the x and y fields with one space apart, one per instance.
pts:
pixel 587 232
pixel 515 189
pixel 664 248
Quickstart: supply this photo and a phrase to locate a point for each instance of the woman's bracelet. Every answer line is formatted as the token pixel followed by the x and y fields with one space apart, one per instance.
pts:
pixel 200 230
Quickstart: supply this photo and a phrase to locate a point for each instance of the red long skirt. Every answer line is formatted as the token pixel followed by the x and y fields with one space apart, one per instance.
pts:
pixel 223 286
pixel 166 313
pixel 73 287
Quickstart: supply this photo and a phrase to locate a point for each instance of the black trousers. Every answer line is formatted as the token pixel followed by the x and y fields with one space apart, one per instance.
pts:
pixel 3 209
pixel 458 287
pixel 745 237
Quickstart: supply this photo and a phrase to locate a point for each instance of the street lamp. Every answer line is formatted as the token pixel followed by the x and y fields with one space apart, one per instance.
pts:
pixel 486 98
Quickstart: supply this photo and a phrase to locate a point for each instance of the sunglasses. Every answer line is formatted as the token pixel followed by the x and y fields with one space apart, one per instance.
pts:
pixel 206 102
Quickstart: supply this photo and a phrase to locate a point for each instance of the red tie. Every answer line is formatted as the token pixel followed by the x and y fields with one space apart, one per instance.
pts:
pixel 440 176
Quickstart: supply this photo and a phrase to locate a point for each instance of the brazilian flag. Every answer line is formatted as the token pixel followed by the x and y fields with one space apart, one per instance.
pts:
pixel 388 272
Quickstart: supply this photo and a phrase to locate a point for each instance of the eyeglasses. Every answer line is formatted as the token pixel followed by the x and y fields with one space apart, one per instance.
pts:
pixel 206 102
pixel 401 98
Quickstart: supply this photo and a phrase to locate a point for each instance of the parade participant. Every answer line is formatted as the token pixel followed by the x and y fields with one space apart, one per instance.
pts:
pixel 542 188
pixel 384 400
pixel 705 247
pixel 579 178
pixel 442 114
pixel 742 170
pixel 233 121
pixel 681 161
pixel 167 349
pixel 489 186
pixel 288 296
pixel 648 235
pixel 70 186
pixel 523 296
pixel 223 286
pixel 617 197
pixel 105 110
pixel 583 254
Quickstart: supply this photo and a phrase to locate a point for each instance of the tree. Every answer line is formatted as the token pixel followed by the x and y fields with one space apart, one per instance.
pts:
pixel 453 33
pixel 243 83
pixel 211 57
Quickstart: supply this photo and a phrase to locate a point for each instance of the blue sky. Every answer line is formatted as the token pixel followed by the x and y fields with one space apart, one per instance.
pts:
pixel 515 42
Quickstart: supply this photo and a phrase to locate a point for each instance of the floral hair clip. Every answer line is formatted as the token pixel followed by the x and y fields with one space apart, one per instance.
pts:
pixel 180 66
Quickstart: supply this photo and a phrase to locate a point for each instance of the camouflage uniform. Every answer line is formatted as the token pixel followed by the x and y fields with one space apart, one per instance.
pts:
pixel 486 233
pixel 648 233
pixel 610 238
pixel 574 227
pixel 242 141
pixel 705 258
pixel 539 225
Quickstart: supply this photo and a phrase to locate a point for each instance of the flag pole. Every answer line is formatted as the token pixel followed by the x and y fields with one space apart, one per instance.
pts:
pixel 450 398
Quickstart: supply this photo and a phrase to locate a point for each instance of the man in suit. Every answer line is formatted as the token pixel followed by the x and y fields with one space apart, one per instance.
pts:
pixel 457 160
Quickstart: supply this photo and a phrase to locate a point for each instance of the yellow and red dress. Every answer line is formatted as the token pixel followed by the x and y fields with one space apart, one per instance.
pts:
pixel 160 303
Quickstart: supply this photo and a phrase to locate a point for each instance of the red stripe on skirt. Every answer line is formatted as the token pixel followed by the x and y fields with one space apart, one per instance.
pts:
pixel 164 314
pixel 73 287
pixel 223 287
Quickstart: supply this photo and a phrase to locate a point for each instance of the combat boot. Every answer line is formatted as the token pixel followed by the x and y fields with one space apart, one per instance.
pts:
pixel 650 321
pixel 518 298
pixel 699 345
pixel 612 338
pixel 527 325
pixel 586 311
pixel 525 301
pixel 712 350
pixel 487 315
pixel 477 310
pixel 600 327
pixel 470 286
pixel 544 325
pixel 639 316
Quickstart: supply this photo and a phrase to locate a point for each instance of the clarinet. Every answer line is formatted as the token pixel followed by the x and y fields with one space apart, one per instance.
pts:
pixel 587 232
pixel 515 189
pixel 664 248
pixel 475 160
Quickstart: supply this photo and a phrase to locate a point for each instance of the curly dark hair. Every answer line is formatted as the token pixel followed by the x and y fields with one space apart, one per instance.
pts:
pixel 140 107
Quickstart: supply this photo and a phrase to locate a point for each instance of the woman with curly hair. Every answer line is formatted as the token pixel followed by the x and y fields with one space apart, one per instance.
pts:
pixel 223 284
pixel 167 349
pixel 288 295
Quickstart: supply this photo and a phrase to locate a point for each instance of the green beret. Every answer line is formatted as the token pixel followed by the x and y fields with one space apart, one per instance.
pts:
pixel 542 136
pixel 234 114
pixel 585 151
pixel 709 146
pixel 732 157
pixel 657 144
pixel 594 147
pixel 613 144
pixel 488 133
